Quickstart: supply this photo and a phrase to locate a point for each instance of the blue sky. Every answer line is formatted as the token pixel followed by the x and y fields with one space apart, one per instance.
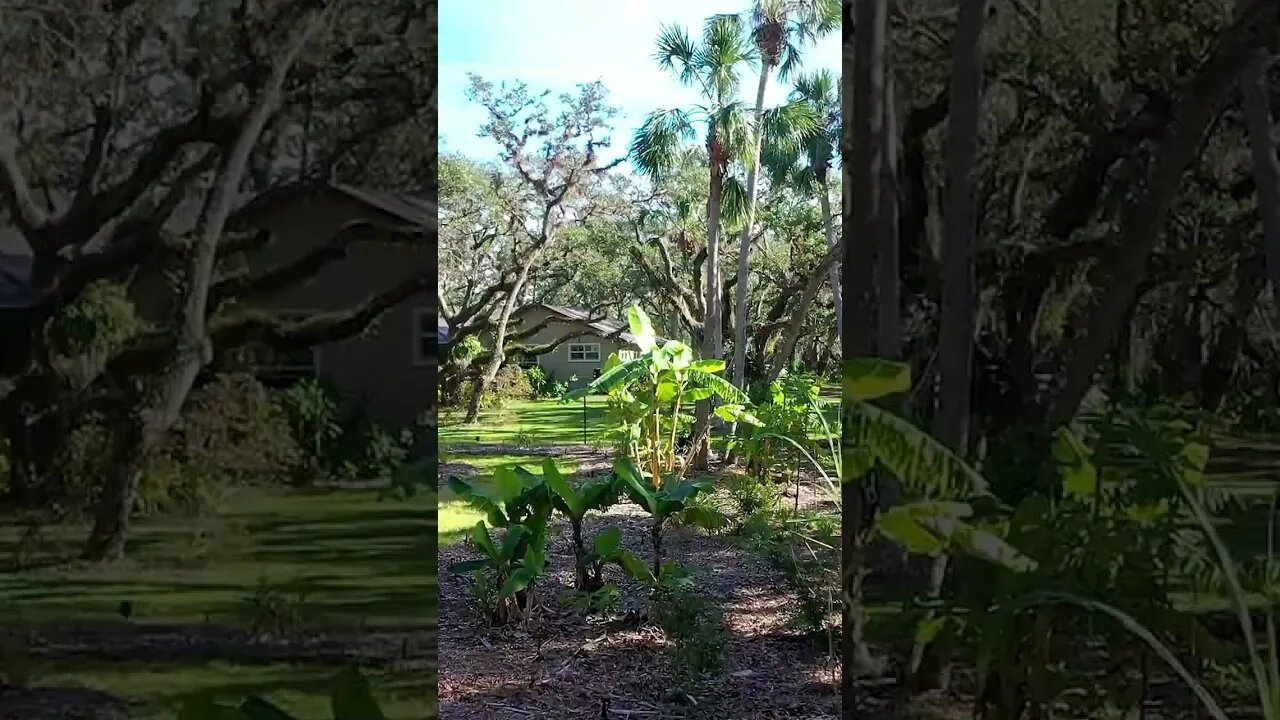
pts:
pixel 554 44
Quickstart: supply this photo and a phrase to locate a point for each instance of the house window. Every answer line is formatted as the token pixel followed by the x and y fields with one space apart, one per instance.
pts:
pixel 424 336
pixel 625 355
pixel 584 352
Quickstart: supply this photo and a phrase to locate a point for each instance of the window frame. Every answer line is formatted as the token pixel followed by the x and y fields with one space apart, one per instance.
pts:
pixel 584 358
pixel 416 336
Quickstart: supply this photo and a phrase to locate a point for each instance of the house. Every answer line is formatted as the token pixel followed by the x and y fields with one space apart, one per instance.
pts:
pixel 390 369
pixel 587 341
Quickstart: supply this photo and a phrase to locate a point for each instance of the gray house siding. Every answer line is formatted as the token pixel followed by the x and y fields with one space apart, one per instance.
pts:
pixel 388 367
pixel 566 360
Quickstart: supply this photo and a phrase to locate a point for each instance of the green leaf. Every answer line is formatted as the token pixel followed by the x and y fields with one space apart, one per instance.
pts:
pixel 641 328
pixel 617 377
pixel 1079 476
pixel 929 628
pixel 506 486
pixel 925 466
pixel 607 542
pixel 870 378
pixel 901 526
pixel 695 395
pixel 722 388
pixel 666 392
pixel 480 534
pixel 255 708
pixel 510 541
pixel 466 567
pixel 677 354
pixel 635 567
pixel 643 493
pixel 708 366
pixel 519 579
pixel 352 699
pixel 572 500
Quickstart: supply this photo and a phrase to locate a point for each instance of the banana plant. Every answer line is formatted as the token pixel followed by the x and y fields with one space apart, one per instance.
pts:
pixel 521 503
pixel 575 503
pixel 663 502
pixel 350 698
pixel 1182 464
pixel 656 390
pixel 518 560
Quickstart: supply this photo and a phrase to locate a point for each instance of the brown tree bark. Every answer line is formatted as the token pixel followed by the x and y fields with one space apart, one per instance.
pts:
pixel 863 157
pixel 1266 168
pixel 161 404
pixel 958 312
pixel 1143 221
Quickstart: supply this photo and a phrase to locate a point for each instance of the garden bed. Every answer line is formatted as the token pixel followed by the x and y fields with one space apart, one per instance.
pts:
pixel 566 664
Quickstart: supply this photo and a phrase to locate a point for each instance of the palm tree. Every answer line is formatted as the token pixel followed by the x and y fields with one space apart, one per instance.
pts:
pixel 958 313
pixel 807 166
pixel 712 66
pixel 780 28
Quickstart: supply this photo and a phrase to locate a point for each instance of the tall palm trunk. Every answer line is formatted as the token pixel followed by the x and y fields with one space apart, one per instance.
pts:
pixel 863 154
pixel 957 315
pixel 740 319
pixel 829 229
pixel 1266 168
pixel 712 322
pixel 888 273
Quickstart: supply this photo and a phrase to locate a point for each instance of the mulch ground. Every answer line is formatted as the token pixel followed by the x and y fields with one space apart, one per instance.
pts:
pixel 568 665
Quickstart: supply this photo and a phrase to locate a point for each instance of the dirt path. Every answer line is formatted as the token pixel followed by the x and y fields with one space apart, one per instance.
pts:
pixel 571 667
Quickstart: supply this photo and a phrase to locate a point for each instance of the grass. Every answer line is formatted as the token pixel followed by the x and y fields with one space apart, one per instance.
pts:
pixel 456 516
pixel 362 561
pixel 529 422
pixel 159 689
pixel 526 423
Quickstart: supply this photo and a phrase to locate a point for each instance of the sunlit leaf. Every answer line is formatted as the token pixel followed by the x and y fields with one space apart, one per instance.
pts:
pixel 870 378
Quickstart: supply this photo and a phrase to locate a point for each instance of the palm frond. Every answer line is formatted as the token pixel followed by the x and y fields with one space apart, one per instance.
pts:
pixel 733 204
pixel 658 143
pixel 726 47
pixel 677 53
pixel 791 125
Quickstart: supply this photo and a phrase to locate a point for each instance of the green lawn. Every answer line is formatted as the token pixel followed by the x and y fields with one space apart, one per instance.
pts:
pixel 346 558
pixel 530 422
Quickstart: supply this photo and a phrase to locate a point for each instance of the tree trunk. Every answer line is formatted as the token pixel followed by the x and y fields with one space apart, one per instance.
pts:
pixel 957 314
pixel 787 346
pixel 712 327
pixel 740 319
pixel 1266 168
pixel 160 407
pixel 863 155
pixel 485 378
pixel 829 229
pixel 888 267
pixel 1143 222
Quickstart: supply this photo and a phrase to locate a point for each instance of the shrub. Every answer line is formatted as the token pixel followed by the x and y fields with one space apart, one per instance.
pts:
pixel 510 384
pixel 312 412
pixel 543 384
pixel 751 496
pixel 694 626
pixel 384 453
